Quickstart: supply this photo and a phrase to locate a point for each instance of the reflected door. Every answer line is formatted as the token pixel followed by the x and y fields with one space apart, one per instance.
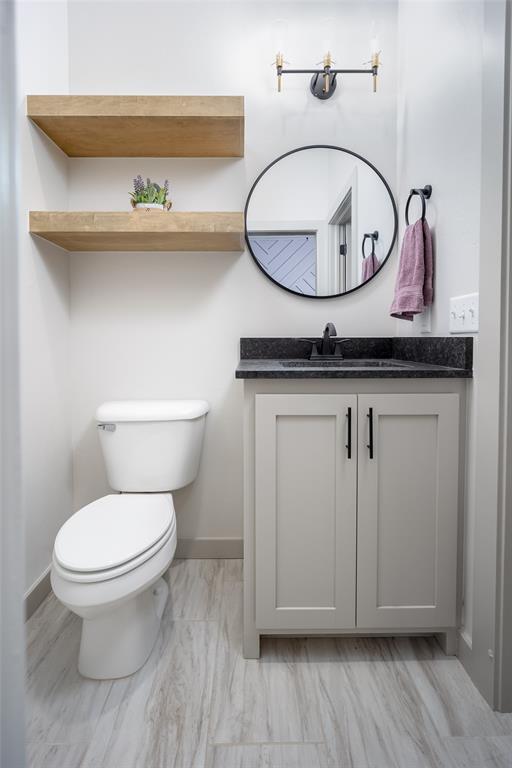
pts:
pixel 289 258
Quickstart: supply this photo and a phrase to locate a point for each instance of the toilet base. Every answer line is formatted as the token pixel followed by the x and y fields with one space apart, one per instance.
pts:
pixel 118 642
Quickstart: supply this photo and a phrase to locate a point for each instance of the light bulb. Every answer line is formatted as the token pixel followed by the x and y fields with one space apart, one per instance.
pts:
pixel 328 25
pixel 374 41
pixel 280 29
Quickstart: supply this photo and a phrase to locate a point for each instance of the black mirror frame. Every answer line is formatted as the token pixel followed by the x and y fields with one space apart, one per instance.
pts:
pixel 339 149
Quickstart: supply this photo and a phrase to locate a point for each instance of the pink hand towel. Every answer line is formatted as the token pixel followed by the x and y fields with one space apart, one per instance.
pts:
pixel 414 282
pixel 370 266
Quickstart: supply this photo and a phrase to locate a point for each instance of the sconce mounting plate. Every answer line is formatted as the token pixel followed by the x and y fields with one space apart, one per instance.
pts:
pixel 317 85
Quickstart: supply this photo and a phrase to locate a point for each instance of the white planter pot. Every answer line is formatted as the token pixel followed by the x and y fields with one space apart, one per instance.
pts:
pixel 149 206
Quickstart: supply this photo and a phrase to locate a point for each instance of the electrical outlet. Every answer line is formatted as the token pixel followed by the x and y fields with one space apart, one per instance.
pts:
pixel 464 313
pixel 424 320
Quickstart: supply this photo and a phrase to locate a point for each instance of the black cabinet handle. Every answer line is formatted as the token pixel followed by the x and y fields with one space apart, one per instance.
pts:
pixel 370 432
pixel 349 433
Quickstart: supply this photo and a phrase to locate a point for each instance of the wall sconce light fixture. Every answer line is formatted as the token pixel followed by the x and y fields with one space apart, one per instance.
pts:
pixel 323 81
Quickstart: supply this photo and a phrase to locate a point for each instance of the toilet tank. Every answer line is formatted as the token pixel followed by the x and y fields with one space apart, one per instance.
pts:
pixel 151 445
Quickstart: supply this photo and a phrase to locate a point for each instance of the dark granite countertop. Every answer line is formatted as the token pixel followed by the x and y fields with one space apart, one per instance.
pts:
pixel 408 357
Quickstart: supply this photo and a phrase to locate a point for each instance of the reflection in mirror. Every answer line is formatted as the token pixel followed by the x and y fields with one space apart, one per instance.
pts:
pixel 307 216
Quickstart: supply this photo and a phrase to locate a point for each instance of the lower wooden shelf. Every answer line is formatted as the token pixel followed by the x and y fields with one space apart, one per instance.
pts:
pixel 140 230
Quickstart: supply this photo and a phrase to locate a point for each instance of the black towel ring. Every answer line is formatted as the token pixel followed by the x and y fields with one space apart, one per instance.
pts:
pixel 374 236
pixel 425 193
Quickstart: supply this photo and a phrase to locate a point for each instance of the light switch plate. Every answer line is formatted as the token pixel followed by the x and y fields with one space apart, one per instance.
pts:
pixel 464 313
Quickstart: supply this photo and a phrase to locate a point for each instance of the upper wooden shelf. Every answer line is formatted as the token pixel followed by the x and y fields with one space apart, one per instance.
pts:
pixel 140 230
pixel 142 126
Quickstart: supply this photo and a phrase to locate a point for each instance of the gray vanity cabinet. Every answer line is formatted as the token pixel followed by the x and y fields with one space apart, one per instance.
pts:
pixel 407 510
pixel 305 505
pixel 355 531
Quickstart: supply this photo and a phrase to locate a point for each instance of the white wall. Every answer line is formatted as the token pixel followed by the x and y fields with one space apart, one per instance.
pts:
pixel 439 137
pixel 439 143
pixel 294 190
pixel 42 61
pixel 168 325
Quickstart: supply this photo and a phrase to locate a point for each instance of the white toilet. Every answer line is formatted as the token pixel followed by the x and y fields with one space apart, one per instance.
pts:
pixel 109 557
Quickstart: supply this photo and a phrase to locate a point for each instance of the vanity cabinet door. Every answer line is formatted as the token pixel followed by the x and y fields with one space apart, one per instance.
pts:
pixel 305 505
pixel 407 510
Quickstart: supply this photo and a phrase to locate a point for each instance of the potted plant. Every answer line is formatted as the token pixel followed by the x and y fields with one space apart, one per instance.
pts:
pixel 150 194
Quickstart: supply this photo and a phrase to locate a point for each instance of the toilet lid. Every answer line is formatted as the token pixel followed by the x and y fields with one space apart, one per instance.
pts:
pixel 113 530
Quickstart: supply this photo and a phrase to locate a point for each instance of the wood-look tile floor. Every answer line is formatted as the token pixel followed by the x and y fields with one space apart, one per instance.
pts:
pixel 307 703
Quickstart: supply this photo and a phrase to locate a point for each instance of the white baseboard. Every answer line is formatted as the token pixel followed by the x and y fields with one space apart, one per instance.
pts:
pixel 35 594
pixel 210 548
pixel 465 638
pixel 465 651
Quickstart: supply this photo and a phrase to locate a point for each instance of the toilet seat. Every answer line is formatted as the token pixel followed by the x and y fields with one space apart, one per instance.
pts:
pixel 94 597
pixel 113 535
pixel 112 573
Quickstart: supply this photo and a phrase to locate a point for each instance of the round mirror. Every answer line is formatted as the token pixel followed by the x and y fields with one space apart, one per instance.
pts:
pixel 320 221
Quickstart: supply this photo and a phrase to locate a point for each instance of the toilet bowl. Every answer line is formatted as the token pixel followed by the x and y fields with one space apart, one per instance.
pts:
pixel 110 556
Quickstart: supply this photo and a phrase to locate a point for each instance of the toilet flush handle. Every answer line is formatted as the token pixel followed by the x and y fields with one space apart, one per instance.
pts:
pixel 107 427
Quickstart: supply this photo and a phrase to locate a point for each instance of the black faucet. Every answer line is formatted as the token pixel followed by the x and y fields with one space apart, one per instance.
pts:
pixel 326 345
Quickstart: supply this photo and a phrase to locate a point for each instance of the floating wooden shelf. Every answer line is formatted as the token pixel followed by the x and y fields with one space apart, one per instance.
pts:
pixel 140 230
pixel 142 126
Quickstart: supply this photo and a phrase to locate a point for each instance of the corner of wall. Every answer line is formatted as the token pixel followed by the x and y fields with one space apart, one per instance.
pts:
pixel 42 35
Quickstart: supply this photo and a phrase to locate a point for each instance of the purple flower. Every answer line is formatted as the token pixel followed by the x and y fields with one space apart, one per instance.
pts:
pixel 138 185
